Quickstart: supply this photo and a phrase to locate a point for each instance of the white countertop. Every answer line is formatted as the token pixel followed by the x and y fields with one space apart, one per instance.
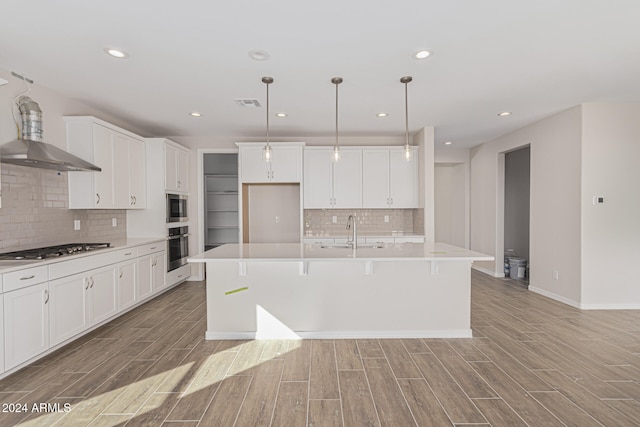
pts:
pixel 308 252
pixel 7 266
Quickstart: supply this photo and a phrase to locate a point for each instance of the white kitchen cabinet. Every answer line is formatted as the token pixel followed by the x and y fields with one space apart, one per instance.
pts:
pixel 329 184
pixel 285 166
pixel 26 323
pixel 103 302
pixel 2 369
pixel 413 239
pixel 69 310
pixel 389 181
pixel 117 153
pixel 176 168
pixel 158 271
pixel 127 284
pixel 129 172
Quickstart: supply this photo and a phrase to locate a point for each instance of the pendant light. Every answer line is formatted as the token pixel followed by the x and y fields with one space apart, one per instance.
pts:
pixel 336 147
pixel 407 148
pixel 267 152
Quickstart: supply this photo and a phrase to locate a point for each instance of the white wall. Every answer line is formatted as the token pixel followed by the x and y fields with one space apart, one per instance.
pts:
pixel 611 231
pixel 555 202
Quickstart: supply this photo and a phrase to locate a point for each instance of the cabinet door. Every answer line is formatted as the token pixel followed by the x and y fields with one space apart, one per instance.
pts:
pixel 317 192
pixel 347 180
pixel 126 284
pixel 121 167
pixel 26 324
pixel 159 271
pixel 68 310
pixel 286 164
pixel 137 174
pixel 182 171
pixel 103 157
pixel 144 289
pixel 170 168
pixel 375 178
pixel 2 369
pixel 102 294
pixel 403 180
pixel 252 167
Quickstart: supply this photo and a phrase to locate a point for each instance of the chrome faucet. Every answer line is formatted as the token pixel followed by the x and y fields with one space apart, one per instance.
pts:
pixel 351 225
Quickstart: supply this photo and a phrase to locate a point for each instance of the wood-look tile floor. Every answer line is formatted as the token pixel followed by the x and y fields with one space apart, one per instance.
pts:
pixel 532 361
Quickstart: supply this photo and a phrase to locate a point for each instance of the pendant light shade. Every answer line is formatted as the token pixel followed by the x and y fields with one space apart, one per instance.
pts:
pixel 336 147
pixel 407 148
pixel 267 152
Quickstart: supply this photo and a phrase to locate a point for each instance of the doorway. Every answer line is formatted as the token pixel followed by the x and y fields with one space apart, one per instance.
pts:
pixel 517 182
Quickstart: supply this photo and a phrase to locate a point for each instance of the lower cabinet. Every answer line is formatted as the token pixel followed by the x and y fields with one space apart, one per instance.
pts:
pixel 1 334
pixel 158 271
pixel 127 284
pixel 69 310
pixel 102 294
pixel 26 324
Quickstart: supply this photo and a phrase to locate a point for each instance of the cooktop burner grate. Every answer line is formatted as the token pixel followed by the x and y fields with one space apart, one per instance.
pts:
pixel 53 251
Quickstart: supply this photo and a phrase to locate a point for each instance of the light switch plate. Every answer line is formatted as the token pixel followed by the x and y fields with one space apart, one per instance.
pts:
pixel 334 219
pixel 114 222
pixel 76 224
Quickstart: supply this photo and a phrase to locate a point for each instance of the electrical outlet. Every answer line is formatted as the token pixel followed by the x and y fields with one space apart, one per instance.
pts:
pixel 555 274
pixel 334 219
pixel 114 222
pixel 76 224
pixel 277 220
pixel 386 218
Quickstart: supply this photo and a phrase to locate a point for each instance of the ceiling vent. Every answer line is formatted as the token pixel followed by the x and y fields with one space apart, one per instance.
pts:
pixel 248 103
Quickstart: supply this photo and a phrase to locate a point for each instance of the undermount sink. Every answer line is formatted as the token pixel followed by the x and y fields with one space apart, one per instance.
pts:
pixel 346 246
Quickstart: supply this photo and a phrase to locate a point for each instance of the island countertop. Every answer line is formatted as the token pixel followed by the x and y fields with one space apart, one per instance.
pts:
pixel 313 252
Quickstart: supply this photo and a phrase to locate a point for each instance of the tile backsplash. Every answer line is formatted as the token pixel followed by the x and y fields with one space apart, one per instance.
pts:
pixel 320 221
pixel 35 212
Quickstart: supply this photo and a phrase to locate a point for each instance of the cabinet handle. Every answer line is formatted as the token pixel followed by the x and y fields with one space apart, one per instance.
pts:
pixel 121 273
pixel 92 281
pixel 46 296
pixel 97 198
pixel 153 248
pixel 86 281
pixel 128 253
pixel 28 277
pixel 154 263
pixel 135 200
pixel 179 184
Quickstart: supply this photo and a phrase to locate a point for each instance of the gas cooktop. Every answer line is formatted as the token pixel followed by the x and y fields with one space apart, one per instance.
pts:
pixel 53 251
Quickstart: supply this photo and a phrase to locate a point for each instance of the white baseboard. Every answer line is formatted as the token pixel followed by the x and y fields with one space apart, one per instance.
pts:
pixel 454 333
pixel 487 271
pixel 556 297
pixel 610 306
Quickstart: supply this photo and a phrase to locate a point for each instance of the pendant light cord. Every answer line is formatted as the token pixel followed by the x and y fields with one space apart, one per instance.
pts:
pixel 406 112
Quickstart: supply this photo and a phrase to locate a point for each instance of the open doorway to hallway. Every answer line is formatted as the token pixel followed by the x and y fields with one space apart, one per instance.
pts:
pixel 516 213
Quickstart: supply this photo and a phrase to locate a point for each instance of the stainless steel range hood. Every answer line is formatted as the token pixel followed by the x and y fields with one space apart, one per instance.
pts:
pixel 30 150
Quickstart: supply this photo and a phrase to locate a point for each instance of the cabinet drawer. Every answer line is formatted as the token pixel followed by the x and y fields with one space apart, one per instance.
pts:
pixel 23 278
pixel 80 264
pixel 318 241
pixel 409 239
pixel 126 254
pixel 151 248
pixel 380 240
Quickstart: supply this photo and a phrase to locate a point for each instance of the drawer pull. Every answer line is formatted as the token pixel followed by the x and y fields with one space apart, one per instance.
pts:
pixel 153 248
pixel 28 277
pixel 46 294
pixel 128 253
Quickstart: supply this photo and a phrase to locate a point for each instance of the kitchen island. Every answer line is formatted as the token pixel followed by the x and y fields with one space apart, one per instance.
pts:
pixel 291 290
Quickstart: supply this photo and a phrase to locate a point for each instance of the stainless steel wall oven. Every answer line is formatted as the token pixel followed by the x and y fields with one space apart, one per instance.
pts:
pixel 177 247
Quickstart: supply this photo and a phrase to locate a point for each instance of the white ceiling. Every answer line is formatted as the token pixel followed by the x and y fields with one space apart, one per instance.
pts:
pixel 533 58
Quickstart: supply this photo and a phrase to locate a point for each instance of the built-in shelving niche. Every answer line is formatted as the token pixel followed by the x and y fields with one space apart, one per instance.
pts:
pixel 221 199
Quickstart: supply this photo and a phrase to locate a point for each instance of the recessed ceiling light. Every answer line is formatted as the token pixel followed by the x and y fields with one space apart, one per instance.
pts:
pixel 504 113
pixel 422 54
pixel 195 114
pixel 382 114
pixel 281 114
pixel 259 55
pixel 448 143
pixel 116 53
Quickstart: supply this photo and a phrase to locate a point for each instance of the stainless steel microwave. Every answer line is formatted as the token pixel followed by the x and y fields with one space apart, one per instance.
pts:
pixel 177 208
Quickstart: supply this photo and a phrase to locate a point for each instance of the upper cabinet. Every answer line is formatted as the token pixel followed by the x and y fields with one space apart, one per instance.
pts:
pixel 332 184
pixel 176 160
pixel 285 165
pixel 120 155
pixel 389 180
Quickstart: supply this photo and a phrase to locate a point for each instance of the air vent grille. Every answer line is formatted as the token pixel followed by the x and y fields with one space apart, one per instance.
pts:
pixel 248 103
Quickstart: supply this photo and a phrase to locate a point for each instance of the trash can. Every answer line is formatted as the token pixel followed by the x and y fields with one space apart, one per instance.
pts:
pixel 517 268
